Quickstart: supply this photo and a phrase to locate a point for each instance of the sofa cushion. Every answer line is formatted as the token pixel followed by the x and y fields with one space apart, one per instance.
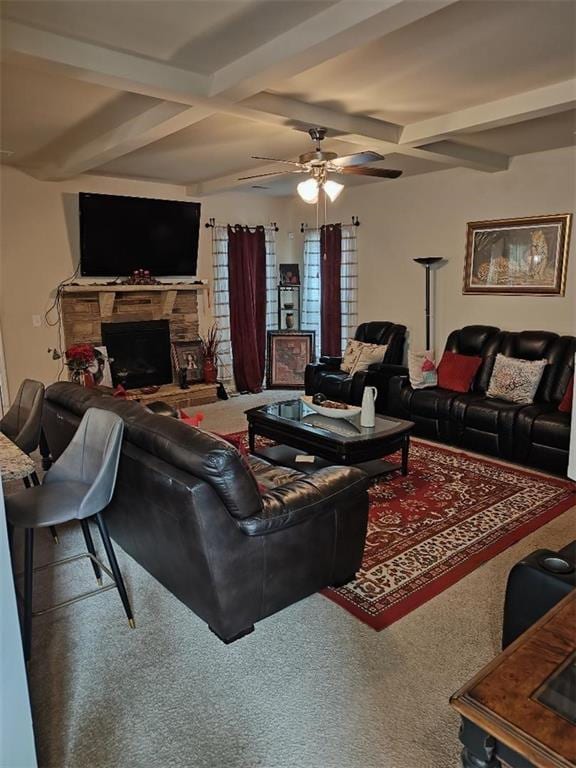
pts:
pixel 432 403
pixel 422 370
pixel 566 402
pixel 336 385
pixel 484 414
pixel 456 372
pixel 516 380
pixel 369 354
pixel 351 354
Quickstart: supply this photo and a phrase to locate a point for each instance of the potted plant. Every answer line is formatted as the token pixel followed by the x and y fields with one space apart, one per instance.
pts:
pixel 210 344
pixel 79 358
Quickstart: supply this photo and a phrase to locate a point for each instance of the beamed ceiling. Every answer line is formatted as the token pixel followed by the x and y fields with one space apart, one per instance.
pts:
pixel 185 92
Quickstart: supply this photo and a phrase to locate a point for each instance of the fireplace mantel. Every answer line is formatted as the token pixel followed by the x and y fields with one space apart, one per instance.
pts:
pixel 86 307
pixel 107 295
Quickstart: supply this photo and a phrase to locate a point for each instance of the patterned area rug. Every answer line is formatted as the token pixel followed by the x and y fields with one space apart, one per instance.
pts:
pixel 428 530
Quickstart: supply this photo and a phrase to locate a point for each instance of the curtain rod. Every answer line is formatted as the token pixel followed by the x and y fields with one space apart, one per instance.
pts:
pixel 211 223
pixel 355 223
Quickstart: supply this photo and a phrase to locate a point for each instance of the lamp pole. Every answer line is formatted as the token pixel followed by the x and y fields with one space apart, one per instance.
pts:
pixel 427 263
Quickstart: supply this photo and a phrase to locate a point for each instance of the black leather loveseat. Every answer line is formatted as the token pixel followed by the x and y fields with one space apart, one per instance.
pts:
pixel 188 508
pixel 327 377
pixel 537 435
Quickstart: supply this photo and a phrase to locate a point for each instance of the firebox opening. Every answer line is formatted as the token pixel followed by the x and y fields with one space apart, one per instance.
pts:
pixel 139 352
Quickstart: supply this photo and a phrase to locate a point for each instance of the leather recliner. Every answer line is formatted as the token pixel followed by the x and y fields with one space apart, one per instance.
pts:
pixel 537 434
pixel 328 378
pixel 188 509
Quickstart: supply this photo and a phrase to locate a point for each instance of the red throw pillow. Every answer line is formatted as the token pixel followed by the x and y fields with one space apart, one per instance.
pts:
pixel 456 372
pixel 566 404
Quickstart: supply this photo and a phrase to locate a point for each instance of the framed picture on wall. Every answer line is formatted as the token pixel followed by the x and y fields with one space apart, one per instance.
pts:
pixel 527 256
pixel 189 355
pixel 289 274
pixel 289 352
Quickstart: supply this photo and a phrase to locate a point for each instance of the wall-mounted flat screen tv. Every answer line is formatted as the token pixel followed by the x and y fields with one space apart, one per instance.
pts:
pixel 121 234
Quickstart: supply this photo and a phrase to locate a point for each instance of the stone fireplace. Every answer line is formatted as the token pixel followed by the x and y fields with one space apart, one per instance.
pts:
pixel 137 323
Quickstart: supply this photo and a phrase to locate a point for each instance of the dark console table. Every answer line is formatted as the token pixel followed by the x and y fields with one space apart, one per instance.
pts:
pixel 297 428
pixel 520 710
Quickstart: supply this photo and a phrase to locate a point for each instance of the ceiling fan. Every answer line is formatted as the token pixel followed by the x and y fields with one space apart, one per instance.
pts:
pixel 318 164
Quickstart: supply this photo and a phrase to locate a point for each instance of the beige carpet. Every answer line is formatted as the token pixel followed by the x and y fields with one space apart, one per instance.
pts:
pixel 312 687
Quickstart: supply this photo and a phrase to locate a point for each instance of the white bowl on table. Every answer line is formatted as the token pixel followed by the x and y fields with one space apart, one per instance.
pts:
pixel 332 413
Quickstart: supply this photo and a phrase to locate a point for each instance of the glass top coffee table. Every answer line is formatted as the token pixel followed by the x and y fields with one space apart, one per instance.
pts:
pixel 297 429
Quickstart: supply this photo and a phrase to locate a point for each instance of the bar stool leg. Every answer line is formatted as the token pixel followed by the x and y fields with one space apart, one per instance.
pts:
pixel 90 547
pixel 115 568
pixel 53 531
pixel 28 582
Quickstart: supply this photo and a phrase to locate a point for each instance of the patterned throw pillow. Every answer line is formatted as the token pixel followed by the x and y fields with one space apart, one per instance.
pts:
pixel 351 354
pixel 422 370
pixel 368 355
pixel 516 380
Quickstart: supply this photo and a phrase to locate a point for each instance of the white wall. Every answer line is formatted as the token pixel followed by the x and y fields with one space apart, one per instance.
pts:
pixel 426 216
pixel 17 749
pixel 39 247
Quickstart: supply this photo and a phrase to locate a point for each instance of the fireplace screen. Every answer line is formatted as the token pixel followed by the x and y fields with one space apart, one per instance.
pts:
pixel 139 352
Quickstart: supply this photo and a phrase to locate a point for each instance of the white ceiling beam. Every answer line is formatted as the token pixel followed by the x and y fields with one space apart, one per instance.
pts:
pixel 345 25
pixel 293 113
pixel 366 132
pixel 530 105
pixel 75 152
pixel 103 66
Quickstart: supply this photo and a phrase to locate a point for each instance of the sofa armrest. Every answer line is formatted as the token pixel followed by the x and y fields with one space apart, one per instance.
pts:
pixel 330 361
pixel 298 501
pixel 395 387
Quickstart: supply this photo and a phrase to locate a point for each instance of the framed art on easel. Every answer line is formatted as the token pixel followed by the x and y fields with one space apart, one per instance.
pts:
pixel 289 352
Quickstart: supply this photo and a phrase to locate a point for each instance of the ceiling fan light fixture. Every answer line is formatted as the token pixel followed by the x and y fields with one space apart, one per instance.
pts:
pixel 332 189
pixel 308 190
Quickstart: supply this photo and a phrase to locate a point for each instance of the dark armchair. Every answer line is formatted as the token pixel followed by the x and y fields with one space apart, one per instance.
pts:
pixel 327 377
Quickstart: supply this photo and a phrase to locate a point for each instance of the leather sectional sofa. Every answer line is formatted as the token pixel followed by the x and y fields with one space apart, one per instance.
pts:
pixel 234 541
pixel 327 377
pixel 537 435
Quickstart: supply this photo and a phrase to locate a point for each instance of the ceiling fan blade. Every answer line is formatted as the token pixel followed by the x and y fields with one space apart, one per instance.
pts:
pixel 358 158
pixel 383 173
pixel 275 160
pixel 259 175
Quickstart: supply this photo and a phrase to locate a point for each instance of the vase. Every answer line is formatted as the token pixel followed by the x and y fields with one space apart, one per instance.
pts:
pixel 87 379
pixel 289 320
pixel 210 370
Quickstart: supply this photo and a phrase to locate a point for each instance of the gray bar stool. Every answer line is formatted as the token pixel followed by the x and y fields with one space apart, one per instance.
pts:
pixel 23 424
pixel 79 486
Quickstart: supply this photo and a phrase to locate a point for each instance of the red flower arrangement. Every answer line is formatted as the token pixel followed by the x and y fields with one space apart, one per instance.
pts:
pixel 79 357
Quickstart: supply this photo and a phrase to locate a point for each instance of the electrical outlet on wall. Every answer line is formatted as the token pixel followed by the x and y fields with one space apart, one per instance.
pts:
pixel 36 321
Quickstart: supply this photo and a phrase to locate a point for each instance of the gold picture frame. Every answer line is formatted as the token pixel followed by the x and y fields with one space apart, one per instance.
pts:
pixel 518 257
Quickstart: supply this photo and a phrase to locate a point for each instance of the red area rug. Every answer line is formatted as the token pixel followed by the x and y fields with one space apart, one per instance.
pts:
pixel 428 530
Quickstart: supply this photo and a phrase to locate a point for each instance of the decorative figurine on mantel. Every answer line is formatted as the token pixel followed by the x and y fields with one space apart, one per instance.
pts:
pixel 141 277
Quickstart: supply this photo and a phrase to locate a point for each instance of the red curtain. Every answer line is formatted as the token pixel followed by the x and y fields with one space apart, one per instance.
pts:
pixel 247 287
pixel 330 307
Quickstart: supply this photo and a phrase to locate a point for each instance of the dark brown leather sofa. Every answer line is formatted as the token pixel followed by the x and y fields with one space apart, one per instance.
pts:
pixel 189 510
pixel 537 435
pixel 327 377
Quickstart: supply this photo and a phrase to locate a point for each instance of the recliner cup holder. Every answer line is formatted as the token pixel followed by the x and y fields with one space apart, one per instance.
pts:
pixel 554 564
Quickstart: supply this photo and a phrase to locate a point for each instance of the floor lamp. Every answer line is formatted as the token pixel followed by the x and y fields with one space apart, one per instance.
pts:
pixel 427 263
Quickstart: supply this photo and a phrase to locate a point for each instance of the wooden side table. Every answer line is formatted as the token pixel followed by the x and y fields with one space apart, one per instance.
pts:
pixel 520 710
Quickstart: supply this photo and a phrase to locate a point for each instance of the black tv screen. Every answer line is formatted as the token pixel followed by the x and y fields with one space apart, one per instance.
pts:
pixel 121 234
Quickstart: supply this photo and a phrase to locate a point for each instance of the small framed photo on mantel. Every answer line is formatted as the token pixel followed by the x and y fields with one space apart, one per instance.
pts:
pixel 517 257
pixel 289 274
